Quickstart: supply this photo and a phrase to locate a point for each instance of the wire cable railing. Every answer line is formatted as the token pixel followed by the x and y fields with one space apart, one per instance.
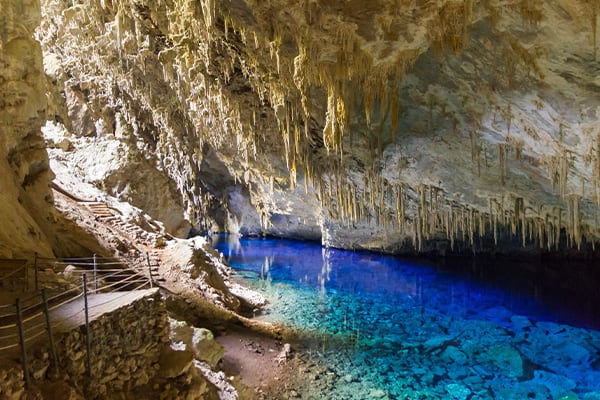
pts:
pixel 14 272
pixel 31 315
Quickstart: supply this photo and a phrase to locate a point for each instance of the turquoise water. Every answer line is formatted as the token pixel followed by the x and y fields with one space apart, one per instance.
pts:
pixel 396 329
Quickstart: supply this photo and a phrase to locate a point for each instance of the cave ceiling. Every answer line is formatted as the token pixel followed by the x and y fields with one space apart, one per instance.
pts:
pixel 381 124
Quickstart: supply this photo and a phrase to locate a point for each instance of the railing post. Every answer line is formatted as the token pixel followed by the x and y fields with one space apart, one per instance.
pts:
pixel 49 329
pixel 22 344
pixel 35 269
pixel 95 281
pixel 149 270
pixel 87 328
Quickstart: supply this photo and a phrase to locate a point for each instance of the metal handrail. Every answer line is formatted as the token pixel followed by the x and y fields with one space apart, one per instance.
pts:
pixel 14 335
pixel 64 293
pixel 69 259
pixel 134 277
pixel 34 327
pixel 54 307
pixel 76 264
pixel 37 335
pixel 8 326
pixel 13 272
pixel 10 346
pixel 30 304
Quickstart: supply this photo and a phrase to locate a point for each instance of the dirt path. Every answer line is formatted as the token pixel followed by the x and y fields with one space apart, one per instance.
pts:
pixel 253 358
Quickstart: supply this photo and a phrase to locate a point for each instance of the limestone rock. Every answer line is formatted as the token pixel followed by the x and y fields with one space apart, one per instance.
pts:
pixel 65 145
pixel 25 173
pixel 175 363
pixel 196 261
pixel 200 341
pixel 206 348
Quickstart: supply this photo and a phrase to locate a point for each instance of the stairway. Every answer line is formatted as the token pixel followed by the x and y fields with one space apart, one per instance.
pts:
pixel 112 218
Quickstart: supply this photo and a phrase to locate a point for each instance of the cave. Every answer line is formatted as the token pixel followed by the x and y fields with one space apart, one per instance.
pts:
pixel 412 187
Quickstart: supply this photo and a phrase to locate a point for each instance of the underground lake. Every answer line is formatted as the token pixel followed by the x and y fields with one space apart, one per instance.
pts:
pixel 396 328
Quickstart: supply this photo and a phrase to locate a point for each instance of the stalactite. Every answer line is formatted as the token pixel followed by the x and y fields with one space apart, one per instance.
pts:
pixel 574 219
pixel 557 211
pixel 519 214
pixel 450 29
pixel 451 230
pixel 385 200
pixel 540 232
pixel 549 231
pixel 595 5
pixel 418 228
pixel 482 227
pixel 596 173
pixel 471 218
pixel 422 217
pixel 563 174
pixel 502 162
pixel 508 116
pixel 474 149
pixel 531 11
pixel 496 229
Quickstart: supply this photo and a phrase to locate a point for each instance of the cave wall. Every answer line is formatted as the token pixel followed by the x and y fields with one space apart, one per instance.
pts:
pixel 438 126
pixel 25 200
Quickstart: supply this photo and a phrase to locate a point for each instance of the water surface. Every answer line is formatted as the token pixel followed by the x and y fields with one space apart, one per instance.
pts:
pixel 405 329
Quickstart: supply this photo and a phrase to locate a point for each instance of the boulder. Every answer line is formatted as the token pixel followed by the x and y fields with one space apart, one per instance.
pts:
pixel 175 363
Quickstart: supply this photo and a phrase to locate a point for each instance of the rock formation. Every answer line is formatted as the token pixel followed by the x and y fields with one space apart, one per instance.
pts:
pixel 25 211
pixel 396 126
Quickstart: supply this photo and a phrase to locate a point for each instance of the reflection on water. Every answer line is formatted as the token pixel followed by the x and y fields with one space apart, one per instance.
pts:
pixel 418 330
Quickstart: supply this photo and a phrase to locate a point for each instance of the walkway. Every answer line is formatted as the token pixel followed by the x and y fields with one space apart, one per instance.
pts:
pixel 109 283
pixel 72 315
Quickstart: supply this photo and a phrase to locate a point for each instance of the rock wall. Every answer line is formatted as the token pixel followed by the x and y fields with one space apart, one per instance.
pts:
pixel 436 126
pixel 28 218
pixel 25 211
pixel 137 352
pixel 126 346
pixel 12 385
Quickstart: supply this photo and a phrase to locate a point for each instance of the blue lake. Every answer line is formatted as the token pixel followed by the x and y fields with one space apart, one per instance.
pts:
pixel 393 328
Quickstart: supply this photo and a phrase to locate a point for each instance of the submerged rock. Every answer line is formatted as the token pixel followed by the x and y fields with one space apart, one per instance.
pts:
pixel 558 385
pixel 454 355
pixel 503 358
pixel 457 391
pixel 377 393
